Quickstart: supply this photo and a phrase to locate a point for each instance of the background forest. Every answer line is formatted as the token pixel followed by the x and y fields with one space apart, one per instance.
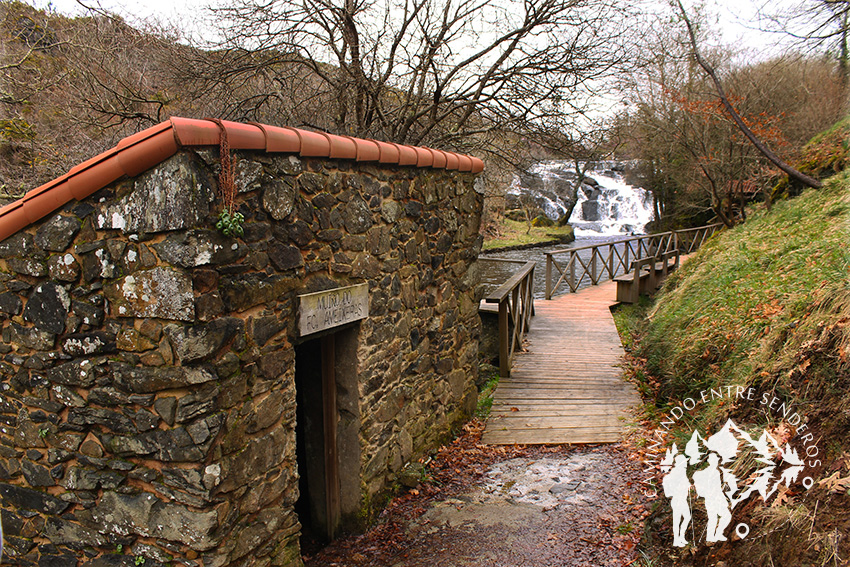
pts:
pixel 513 82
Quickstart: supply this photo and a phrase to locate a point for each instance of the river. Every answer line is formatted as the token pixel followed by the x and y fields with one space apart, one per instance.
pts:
pixel 493 274
pixel 607 209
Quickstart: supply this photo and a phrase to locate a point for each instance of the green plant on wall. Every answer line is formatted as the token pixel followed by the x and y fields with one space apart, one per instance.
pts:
pixel 230 223
pixel 229 220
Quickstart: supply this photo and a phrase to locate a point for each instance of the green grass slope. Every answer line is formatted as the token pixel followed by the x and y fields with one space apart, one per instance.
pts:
pixel 766 305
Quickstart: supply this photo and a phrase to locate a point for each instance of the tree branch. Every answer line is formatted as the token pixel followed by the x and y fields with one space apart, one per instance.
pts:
pixel 766 152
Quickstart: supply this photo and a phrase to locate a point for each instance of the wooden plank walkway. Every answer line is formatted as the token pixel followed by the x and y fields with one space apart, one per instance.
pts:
pixel 567 387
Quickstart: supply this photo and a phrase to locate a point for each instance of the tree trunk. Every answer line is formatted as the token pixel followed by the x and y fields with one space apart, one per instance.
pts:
pixel 765 151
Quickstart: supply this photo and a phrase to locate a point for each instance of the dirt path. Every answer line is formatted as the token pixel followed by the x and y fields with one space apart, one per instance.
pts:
pixel 507 506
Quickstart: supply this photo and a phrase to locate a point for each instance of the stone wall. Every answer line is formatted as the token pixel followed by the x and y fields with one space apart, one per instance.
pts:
pixel 148 362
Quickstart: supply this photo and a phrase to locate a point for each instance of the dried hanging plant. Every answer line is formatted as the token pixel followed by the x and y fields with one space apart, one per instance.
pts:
pixel 229 221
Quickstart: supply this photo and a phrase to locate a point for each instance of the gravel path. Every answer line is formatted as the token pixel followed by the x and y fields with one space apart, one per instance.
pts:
pixel 515 506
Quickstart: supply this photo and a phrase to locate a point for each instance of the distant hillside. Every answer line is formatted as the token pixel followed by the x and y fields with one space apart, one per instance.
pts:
pixel 73 87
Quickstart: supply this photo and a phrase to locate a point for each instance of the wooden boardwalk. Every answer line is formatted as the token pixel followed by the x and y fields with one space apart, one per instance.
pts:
pixel 567 387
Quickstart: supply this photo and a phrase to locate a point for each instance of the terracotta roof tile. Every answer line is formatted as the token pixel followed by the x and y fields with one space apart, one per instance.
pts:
pixel 424 157
pixel 452 161
pixel 439 159
pixel 389 152
pixel 407 155
pixel 342 147
pixel 313 144
pixel 367 150
pixel 143 150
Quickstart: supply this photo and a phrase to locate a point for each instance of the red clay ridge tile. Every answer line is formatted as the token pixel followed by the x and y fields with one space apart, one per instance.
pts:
pixel 280 139
pixel 439 159
pixel 389 152
pixel 452 161
pixel 367 150
pixel 143 150
pixel 424 157
pixel 313 144
pixel 407 155
pixel 341 147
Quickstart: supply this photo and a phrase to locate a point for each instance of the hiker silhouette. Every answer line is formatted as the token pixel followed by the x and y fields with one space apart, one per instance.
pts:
pixel 676 486
pixel 709 485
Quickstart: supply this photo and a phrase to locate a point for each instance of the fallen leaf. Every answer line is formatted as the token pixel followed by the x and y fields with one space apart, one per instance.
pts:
pixel 781 497
pixel 835 483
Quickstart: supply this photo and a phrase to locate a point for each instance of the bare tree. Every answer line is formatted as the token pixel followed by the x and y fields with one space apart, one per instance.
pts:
pixel 446 72
pixel 736 118
pixel 815 24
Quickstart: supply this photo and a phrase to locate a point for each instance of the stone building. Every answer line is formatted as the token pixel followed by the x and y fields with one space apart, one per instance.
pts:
pixel 172 395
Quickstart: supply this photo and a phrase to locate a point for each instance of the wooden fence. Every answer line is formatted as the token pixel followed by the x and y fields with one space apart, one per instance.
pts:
pixel 515 299
pixel 614 258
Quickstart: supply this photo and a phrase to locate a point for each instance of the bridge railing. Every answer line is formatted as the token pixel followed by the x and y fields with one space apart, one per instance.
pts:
pixel 573 266
pixel 515 299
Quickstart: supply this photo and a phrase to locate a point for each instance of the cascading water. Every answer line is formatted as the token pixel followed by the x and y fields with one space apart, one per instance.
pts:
pixel 606 205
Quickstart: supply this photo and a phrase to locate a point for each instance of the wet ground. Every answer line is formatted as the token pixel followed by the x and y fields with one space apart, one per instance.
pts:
pixel 507 506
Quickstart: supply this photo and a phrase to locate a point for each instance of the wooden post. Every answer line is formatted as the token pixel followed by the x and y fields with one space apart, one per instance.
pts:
pixel 549 276
pixel 573 272
pixel 611 261
pixel 504 356
pixel 330 418
pixel 593 265
pixel 636 282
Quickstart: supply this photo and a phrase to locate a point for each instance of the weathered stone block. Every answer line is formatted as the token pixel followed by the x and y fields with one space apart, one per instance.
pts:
pixel 199 248
pixel 242 292
pixel 111 420
pixel 285 257
pixel 200 342
pixel 96 261
pixel 89 313
pixel 47 307
pixel 36 475
pixel 196 404
pixel 148 516
pixel 279 197
pixel 28 499
pixel 88 344
pixel 257 454
pixel 77 373
pixel 166 408
pixel 144 380
pixel 27 267
pixel 175 195
pixel 161 293
pixel 357 216
pixel 248 175
pixel 63 267
pixel 56 234
pixel 10 304
pixel 19 244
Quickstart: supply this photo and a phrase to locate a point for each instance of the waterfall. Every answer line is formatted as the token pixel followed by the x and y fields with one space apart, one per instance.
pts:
pixel 606 204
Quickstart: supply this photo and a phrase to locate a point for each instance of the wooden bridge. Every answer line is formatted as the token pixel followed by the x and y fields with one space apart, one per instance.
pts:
pixel 561 377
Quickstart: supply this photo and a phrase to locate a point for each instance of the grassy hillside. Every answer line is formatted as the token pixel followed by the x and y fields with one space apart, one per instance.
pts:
pixel 765 305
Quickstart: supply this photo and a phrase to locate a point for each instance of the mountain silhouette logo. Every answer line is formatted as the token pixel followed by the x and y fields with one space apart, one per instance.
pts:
pixel 723 471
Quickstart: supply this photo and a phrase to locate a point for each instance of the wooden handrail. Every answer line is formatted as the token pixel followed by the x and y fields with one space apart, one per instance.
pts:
pixel 516 306
pixel 616 261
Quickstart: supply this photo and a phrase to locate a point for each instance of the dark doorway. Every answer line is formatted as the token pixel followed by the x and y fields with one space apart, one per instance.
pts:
pixel 327 425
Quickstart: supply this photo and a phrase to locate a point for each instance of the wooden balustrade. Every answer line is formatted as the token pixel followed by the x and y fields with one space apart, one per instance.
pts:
pixel 515 299
pixel 615 258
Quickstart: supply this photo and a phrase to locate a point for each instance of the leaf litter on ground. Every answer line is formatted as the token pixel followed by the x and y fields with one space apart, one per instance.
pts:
pixel 489 505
